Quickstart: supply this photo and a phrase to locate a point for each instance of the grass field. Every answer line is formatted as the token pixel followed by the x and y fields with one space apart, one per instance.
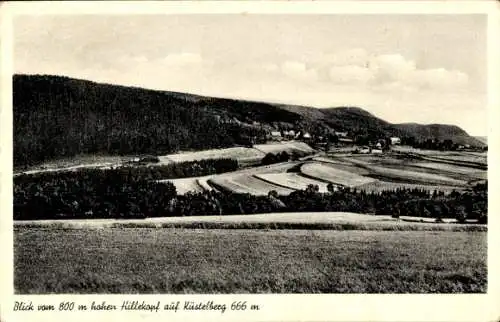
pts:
pixel 455 169
pixel 343 164
pixel 414 176
pixel 247 184
pixel 464 156
pixel 142 260
pixel 455 156
pixel 292 181
pixel 238 153
pixel 288 146
pixel 285 220
pixel 185 185
pixel 334 175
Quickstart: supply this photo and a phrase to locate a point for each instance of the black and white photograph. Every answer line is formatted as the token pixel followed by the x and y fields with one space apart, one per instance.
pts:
pixel 249 153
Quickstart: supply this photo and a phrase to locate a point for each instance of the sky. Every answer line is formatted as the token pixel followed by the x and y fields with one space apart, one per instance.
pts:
pixel 402 68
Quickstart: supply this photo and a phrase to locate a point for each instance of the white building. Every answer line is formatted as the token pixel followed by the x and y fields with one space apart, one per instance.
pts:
pixel 395 140
pixel 364 150
pixel 276 135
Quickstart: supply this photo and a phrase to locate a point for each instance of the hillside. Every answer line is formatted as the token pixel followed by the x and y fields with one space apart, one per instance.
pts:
pixel 58 117
pixel 357 120
pixel 437 131
pixel 483 139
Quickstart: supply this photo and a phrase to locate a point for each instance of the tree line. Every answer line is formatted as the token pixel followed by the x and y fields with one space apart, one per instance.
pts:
pixel 282 156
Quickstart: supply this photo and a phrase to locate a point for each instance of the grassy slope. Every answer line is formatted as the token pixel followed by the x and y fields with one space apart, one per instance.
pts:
pixel 242 261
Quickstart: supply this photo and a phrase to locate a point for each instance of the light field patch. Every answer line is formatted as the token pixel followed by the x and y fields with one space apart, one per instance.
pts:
pixel 461 158
pixel 292 181
pixel 239 153
pixel 185 185
pixel 472 172
pixel 248 184
pixel 415 176
pixel 332 174
pixel 284 146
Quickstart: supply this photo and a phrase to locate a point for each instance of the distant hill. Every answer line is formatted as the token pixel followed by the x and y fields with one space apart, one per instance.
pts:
pixel 357 119
pixel 360 121
pixel 58 116
pixel 483 139
pixel 437 131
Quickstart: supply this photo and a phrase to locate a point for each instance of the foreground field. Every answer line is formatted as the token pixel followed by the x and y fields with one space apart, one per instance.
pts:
pixel 142 260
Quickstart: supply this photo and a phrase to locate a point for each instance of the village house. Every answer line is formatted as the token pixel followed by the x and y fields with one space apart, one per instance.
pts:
pixel 364 150
pixel 275 136
pixel 395 140
pixel 341 134
pixel 289 134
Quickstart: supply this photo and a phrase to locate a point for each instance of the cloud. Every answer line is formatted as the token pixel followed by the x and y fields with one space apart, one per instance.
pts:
pixel 298 71
pixel 350 74
pixel 182 59
pixel 270 67
pixel 351 57
pixel 378 72
pixel 141 59
pixel 390 72
pixel 389 68
pixel 439 78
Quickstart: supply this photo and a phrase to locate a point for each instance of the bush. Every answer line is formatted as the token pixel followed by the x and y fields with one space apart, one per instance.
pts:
pixel 269 158
pixel 460 214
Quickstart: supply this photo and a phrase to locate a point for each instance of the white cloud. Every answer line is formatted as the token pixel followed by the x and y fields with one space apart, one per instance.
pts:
pixel 182 59
pixel 389 72
pixel 141 59
pixel 439 78
pixel 298 71
pixel 351 74
pixel 270 67
pixel 391 68
pixel 352 57
pixel 355 67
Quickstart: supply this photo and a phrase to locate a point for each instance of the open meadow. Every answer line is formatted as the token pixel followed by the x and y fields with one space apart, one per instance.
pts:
pixel 152 260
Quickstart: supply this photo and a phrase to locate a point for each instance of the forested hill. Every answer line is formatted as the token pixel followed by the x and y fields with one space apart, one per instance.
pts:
pixel 58 116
